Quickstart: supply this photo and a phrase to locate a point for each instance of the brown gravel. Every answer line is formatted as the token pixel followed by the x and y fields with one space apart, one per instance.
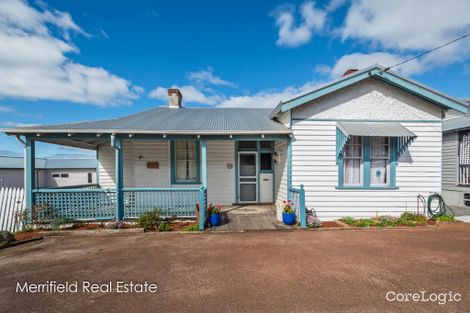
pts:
pixel 273 271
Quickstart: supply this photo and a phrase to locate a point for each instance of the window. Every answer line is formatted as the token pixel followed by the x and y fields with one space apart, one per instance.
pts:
pixel 185 162
pixel 266 162
pixel 90 178
pixel 64 175
pixel 266 145
pixel 368 162
pixel 247 145
pixel 352 164
pixel 464 158
pixel 379 161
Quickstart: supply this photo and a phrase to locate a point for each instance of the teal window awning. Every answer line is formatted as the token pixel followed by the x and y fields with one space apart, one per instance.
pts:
pixel 345 130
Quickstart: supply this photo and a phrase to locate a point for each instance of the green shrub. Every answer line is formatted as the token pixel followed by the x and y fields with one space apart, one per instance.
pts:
pixel 445 218
pixel 348 220
pixel 411 219
pixel 365 222
pixel 386 221
pixel 192 227
pixel 149 220
pixel 164 226
pixel 3 244
pixel 55 224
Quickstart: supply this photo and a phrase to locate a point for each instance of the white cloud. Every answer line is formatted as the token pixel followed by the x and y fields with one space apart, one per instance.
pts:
pixel 190 94
pixel 207 77
pixel 402 29
pixel 335 4
pixel 34 62
pixel 363 60
pixel 6 109
pixel 293 33
pixel 405 24
pixel 322 69
pixel 16 124
pixel 269 98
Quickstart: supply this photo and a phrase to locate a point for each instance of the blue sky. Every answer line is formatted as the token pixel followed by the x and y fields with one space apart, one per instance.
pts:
pixel 66 61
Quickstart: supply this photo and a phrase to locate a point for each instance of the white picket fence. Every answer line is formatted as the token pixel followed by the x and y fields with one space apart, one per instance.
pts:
pixel 11 205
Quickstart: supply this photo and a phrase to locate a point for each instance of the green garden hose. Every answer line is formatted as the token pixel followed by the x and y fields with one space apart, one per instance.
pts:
pixel 440 209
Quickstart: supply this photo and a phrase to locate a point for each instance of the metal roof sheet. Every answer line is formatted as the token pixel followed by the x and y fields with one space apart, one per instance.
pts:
pixel 162 120
pixel 374 129
pixel 41 163
pixel 456 124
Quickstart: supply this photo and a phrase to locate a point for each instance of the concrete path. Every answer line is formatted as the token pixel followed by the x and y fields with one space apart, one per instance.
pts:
pixel 462 214
pixel 465 218
pixel 249 217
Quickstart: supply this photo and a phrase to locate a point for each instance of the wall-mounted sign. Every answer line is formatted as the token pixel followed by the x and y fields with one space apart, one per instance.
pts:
pixel 153 165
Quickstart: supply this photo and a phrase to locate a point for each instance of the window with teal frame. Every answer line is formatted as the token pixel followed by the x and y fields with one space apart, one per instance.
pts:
pixel 367 162
pixel 185 162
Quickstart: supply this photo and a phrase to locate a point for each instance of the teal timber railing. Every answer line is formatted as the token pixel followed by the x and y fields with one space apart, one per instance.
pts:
pixel 297 196
pixel 171 202
pixel 202 207
pixel 100 204
pixel 79 204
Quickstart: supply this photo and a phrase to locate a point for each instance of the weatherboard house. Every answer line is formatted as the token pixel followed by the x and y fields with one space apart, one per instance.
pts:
pixel 365 144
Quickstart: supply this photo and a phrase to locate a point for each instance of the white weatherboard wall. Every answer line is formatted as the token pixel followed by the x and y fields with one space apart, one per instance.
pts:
pixel 75 177
pixel 12 178
pixel 314 150
pixel 280 175
pixel 15 177
pixel 221 180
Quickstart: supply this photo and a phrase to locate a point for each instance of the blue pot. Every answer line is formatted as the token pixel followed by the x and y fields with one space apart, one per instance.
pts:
pixel 215 219
pixel 288 218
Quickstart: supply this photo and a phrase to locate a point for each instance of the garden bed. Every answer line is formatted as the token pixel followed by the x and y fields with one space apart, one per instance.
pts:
pixel 405 220
pixel 8 239
pixel 27 235
pixel 329 224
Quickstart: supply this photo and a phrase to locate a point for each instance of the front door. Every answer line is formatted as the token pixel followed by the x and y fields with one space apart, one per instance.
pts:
pixel 247 177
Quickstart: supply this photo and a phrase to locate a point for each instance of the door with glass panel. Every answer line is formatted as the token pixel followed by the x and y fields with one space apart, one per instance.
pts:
pixel 247 177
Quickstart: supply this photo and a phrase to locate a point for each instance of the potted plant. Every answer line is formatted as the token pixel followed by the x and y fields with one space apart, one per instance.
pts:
pixel 215 214
pixel 288 214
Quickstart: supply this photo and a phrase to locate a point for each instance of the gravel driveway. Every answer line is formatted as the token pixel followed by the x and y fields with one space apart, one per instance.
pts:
pixel 271 271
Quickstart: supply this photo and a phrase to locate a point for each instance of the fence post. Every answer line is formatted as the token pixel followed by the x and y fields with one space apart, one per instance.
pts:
pixel 302 209
pixel 202 208
pixel 30 176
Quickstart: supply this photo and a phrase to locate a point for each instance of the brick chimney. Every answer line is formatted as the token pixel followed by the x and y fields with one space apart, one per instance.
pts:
pixel 174 98
pixel 350 71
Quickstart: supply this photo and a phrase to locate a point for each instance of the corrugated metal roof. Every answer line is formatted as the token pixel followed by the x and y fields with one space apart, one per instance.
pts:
pixel 374 129
pixel 456 124
pixel 161 120
pixel 41 163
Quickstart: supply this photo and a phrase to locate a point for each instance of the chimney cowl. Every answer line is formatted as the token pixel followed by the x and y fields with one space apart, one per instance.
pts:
pixel 174 98
pixel 350 71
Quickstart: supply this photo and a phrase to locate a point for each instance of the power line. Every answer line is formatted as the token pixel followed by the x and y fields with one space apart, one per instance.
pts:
pixel 427 52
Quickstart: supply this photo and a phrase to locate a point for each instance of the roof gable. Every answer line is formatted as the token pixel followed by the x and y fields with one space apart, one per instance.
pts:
pixel 380 73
